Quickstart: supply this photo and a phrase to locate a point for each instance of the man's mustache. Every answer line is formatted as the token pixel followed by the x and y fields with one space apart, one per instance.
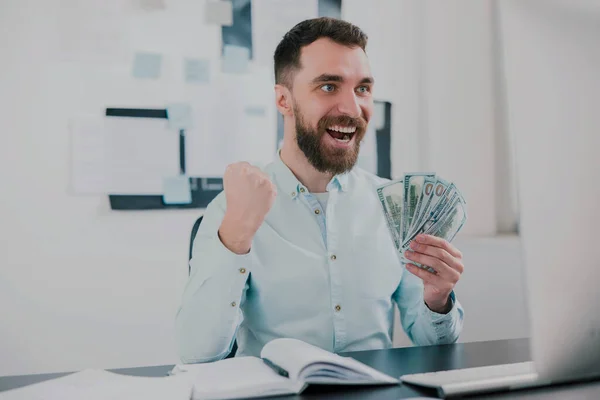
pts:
pixel 344 120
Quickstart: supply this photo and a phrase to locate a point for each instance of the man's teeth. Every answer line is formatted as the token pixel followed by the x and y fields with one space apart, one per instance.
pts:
pixel 345 139
pixel 343 129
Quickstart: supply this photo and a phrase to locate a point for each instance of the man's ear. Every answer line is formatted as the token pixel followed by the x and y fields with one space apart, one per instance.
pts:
pixel 283 100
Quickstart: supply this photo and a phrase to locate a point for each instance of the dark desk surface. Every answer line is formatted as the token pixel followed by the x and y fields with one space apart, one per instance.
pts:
pixel 396 362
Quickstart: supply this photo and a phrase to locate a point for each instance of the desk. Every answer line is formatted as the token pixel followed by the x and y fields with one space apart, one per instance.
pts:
pixel 396 362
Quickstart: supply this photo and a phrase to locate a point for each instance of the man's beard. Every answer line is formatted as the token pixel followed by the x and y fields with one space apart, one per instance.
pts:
pixel 321 157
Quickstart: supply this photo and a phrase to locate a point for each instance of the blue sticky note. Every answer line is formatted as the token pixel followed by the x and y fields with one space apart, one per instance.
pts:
pixel 235 59
pixel 176 190
pixel 196 70
pixel 179 116
pixel 147 65
pixel 256 111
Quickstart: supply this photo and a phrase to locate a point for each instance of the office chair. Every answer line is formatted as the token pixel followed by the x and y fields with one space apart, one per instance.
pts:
pixel 192 237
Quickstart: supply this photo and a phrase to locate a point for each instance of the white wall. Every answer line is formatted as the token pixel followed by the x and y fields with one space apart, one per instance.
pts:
pixel 82 286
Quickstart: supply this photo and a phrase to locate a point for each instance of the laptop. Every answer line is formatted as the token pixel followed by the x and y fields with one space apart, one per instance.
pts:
pixel 552 118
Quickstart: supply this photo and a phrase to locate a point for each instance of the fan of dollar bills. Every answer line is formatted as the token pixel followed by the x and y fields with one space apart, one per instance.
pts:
pixel 421 203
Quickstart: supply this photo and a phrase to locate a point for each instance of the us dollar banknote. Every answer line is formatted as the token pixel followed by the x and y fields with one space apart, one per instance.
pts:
pixel 421 203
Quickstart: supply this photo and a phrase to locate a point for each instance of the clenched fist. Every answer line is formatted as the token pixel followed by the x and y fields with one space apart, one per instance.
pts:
pixel 249 194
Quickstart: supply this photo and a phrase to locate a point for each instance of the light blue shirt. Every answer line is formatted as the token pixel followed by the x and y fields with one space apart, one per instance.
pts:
pixel 328 277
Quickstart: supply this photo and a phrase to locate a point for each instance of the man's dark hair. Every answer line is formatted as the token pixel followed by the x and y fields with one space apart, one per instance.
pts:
pixel 287 53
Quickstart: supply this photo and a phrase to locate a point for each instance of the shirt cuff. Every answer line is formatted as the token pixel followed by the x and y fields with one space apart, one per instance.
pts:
pixel 227 256
pixel 438 319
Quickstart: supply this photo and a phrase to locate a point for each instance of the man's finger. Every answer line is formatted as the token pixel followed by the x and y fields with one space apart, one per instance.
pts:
pixel 443 270
pixel 440 253
pixel 439 242
pixel 426 276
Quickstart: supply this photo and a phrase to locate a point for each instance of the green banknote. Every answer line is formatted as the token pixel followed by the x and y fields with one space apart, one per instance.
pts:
pixel 391 199
pixel 413 190
pixel 421 203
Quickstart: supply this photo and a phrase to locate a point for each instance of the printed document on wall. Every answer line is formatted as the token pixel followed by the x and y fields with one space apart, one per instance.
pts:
pixel 271 19
pixel 122 155
pixel 237 122
pixel 87 155
pixel 92 32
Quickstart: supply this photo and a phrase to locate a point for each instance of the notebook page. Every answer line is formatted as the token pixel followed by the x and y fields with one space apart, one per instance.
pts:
pixel 232 378
pixel 293 355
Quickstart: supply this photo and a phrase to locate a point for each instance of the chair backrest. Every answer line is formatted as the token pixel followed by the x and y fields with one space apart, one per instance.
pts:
pixel 192 237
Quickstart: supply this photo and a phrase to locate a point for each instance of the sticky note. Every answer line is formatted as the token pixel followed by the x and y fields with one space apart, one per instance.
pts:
pixel 256 111
pixel 379 115
pixel 219 12
pixel 176 190
pixel 179 116
pixel 147 65
pixel 235 59
pixel 152 5
pixel 196 70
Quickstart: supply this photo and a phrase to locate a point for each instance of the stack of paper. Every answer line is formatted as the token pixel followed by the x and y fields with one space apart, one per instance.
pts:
pixel 94 384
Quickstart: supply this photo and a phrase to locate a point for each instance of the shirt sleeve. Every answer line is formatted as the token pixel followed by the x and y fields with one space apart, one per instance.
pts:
pixel 210 311
pixel 422 325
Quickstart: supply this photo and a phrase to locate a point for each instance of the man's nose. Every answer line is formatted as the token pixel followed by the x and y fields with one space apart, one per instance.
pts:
pixel 349 105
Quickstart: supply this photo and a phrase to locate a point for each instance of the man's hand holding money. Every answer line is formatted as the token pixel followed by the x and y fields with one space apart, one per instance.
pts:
pixel 445 259
pixel 424 213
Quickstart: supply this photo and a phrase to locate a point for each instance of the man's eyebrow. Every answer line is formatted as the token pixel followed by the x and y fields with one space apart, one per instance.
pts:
pixel 328 78
pixel 323 78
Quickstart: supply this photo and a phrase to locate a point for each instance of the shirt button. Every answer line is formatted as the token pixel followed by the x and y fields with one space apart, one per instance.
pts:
pixel 317 212
pixel 333 257
pixel 233 304
pixel 293 194
pixel 302 190
pixel 338 307
pixel 242 270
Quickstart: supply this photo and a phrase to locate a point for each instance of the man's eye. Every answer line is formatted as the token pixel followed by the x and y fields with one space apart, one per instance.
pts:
pixel 363 89
pixel 328 88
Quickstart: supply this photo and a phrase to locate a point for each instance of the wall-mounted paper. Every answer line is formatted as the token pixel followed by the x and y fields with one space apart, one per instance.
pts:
pixel 219 12
pixel 218 138
pixel 196 70
pixel 122 155
pixel 88 156
pixel 378 115
pixel 152 5
pixel 367 156
pixel 91 32
pixel 235 59
pixel 179 116
pixel 139 153
pixel 147 65
pixel 177 190
pixel 257 111
pixel 271 19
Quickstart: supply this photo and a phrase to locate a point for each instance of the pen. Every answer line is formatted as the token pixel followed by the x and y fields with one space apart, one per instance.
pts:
pixel 276 368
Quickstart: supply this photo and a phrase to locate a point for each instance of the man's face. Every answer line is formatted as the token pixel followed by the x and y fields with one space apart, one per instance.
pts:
pixel 332 104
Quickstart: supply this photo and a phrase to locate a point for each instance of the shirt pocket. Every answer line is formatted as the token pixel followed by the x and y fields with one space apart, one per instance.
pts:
pixel 378 268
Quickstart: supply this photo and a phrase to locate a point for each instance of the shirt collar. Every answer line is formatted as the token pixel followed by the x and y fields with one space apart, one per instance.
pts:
pixel 291 186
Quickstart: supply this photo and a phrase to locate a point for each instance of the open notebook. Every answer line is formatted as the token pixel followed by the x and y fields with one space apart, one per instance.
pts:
pixel 285 366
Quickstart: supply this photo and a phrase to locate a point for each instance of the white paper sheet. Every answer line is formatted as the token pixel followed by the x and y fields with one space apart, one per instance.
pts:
pixel 102 385
pixel 140 153
pixel 367 157
pixel 228 126
pixel 119 155
pixel 87 156
pixel 92 32
pixel 214 380
pixel 267 31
